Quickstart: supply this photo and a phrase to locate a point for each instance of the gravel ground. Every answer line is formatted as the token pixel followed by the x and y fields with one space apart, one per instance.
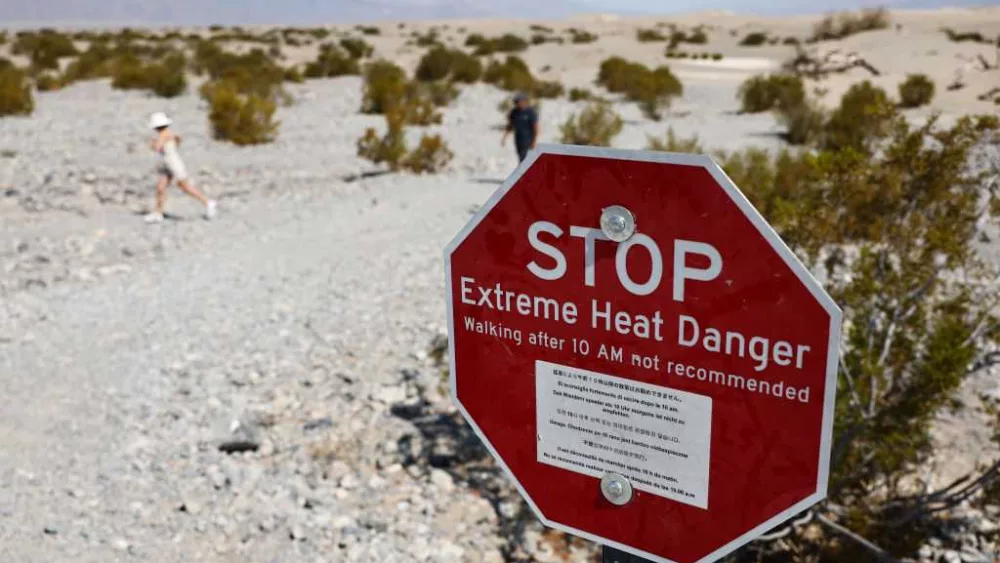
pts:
pixel 263 387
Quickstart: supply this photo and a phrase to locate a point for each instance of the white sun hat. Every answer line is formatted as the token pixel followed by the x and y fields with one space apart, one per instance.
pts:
pixel 159 119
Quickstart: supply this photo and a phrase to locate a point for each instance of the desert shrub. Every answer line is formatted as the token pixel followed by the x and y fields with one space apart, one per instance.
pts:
pixel 653 90
pixel 253 72
pixel 716 56
pixel 804 123
pixel 547 89
pixel 357 48
pixel 3 38
pixel 581 36
pixel 16 97
pixel 580 94
pixel 386 89
pixel 916 90
pixel 429 39
pixel 963 36
pixel 240 118
pixel 539 39
pixel 511 75
pixel 431 155
pixel 331 61
pixel 44 47
pixel 506 43
pixel 754 39
pixel 390 148
pixel 894 233
pixel 96 62
pixel 673 143
pixel 596 125
pixel 838 26
pixel 465 68
pixel 369 30
pixel 385 85
pixel 863 116
pixel 292 74
pixel 440 93
pixel 791 41
pixel 436 64
pixel 475 40
pixel 764 93
pixel 47 82
pixel 697 36
pixel 649 35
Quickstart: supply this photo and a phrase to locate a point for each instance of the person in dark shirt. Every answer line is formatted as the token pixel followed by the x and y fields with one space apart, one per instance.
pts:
pixel 523 123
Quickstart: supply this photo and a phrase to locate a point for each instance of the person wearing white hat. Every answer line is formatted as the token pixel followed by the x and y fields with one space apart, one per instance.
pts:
pixel 171 168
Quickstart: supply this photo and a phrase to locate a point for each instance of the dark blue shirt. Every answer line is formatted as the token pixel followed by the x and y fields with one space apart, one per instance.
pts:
pixel 522 123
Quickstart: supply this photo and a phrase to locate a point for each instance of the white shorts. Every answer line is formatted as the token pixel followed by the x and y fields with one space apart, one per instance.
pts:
pixel 172 168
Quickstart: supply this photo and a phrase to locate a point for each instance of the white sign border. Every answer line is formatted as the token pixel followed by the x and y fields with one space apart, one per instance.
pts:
pixel 777 244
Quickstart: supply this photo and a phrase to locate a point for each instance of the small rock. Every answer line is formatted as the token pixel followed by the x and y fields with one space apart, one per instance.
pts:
pixel 391 395
pixel 50 531
pixel 90 177
pixel 325 422
pixel 120 544
pixel 442 480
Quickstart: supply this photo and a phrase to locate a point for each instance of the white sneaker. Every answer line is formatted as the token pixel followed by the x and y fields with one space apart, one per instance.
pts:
pixel 153 217
pixel 211 209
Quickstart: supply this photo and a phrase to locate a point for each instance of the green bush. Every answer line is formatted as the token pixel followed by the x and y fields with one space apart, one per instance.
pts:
pixel 386 89
pixel 431 155
pixel 240 118
pixel 581 36
pixel 44 47
pixel 511 75
pixel 390 148
pixel 164 78
pixel 369 30
pixel 596 125
pixel 698 37
pixel 357 48
pixel 539 39
pixel 465 68
pixel 47 82
pixel 331 61
pixel 475 40
pixel 649 35
pixel 653 90
pixel 764 93
pixel 436 64
pixel 894 233
pixel 672 143
pixel 916 90
pixel 838 26
pixel 253 72
pixel 506 43
pixel 580 94
pixel 547 89
pixel 385 85
pixel 961 37
pixel 863 116
pixel 754 39
pixel 804 123
pixel 440 93
pixel 16 97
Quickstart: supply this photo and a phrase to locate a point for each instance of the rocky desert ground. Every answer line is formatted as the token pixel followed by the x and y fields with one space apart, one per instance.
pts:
pixel 267 387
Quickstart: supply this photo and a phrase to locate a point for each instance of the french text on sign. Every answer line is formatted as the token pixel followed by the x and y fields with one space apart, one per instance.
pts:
pixel 657 437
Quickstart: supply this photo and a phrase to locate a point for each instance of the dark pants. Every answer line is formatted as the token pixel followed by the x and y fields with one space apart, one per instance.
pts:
pixel 522 151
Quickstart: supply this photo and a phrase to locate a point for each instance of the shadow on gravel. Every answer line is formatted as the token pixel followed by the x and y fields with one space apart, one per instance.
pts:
pixel 365 175
pixel 446 442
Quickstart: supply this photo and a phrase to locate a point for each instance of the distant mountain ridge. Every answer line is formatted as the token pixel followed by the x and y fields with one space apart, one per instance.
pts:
pixel 315 12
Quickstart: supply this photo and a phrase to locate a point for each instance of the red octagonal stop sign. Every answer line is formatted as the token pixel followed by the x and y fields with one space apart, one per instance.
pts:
pixel 691 366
